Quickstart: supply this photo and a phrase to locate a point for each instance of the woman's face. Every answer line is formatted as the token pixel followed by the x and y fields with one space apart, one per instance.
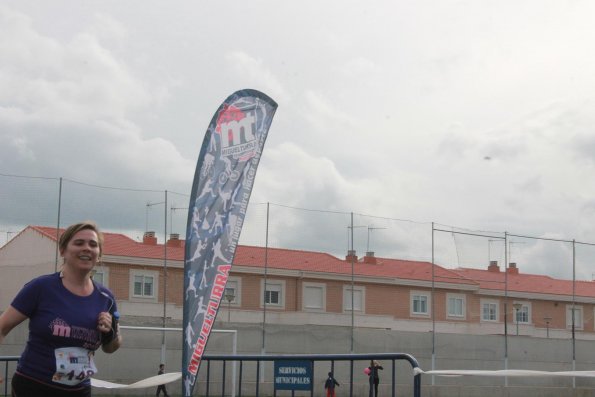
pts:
pixel 82 251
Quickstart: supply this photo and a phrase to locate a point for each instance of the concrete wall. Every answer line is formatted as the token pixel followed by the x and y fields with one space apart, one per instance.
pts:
pixel 21 263
pixel 141 355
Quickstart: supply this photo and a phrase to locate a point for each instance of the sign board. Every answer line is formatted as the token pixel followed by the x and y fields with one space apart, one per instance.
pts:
pixel 293 375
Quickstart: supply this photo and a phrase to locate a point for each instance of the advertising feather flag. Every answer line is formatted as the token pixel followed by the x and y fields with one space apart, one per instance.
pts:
pixel 221 189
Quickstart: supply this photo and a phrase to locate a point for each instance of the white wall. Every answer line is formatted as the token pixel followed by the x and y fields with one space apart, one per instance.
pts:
pixel 141 354
pixel 22 259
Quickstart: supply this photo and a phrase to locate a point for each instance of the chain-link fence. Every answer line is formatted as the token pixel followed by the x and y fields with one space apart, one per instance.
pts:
pixel 26 200
pixel 60 202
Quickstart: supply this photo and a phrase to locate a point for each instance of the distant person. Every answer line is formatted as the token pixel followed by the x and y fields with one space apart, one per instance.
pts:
pixel 373 377
pixel 70 317
pixel 330 384
pixel 161 387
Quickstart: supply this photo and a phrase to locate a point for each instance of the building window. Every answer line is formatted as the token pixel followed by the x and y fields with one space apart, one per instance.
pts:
pixel 420 303
pixel 101 275
pixel 232 290
pixel 489 310
pixel 578 317
pixel 523 314
pixel 144 284
pixel 314 296
pixel 455 306
pixel 357 297
pixel 274 293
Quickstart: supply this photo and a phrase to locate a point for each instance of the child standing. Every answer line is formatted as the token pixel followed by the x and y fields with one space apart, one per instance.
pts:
pixel 373 377
pixel 330 384
pixel 161 388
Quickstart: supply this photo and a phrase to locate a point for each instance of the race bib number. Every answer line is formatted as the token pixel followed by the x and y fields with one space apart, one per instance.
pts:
pixel 73 365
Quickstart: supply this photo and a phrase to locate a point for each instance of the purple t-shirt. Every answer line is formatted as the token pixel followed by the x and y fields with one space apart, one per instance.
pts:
pixel 57 319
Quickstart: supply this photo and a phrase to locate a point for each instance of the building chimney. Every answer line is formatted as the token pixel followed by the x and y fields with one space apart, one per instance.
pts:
pixel 174 240
pixel 493 267
pixel 351 256
pixel 149 238
pixel 512 269
pixel 370 258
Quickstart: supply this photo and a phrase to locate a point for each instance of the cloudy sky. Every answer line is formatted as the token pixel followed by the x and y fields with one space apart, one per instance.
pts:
pixel 476 115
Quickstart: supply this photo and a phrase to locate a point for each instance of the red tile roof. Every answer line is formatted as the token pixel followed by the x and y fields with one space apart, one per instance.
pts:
pixel 116 244
pixel 530 283
pixel 325 263
pixel 416 270
pixel 120 245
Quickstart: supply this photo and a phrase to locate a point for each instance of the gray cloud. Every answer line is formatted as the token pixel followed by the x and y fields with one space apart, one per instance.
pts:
pixel 453 112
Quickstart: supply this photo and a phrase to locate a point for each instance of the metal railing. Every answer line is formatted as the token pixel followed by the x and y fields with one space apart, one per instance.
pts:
pixel 313 358
pixel 6 360
pixel 258 359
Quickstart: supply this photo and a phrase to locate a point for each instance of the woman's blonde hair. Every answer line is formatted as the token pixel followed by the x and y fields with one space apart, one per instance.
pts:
pixel 74 229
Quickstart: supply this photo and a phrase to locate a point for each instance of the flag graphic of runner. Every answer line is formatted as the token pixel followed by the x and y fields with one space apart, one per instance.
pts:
pixel 223 181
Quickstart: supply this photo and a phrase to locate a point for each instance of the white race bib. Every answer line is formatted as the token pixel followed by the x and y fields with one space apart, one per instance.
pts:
pixel 73 365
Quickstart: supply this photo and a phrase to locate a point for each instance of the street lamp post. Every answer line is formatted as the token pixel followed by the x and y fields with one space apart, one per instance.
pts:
pixel 547 320
pixel 517 307
pixel 229 297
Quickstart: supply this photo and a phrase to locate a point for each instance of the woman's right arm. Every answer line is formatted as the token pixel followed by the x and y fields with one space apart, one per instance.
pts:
pixel 10 319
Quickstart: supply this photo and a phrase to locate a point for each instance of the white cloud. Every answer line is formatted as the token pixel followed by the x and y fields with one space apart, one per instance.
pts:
pixel 64 82
pixel 461 113
pixel 106 28
pixel 23 149
pixel 360 68
pixel 319 107
pixel 72 100
pixel 291 176
pixel 254 74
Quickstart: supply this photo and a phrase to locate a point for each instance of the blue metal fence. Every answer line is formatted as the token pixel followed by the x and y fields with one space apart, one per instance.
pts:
pixel 314 359
pixel 5 360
